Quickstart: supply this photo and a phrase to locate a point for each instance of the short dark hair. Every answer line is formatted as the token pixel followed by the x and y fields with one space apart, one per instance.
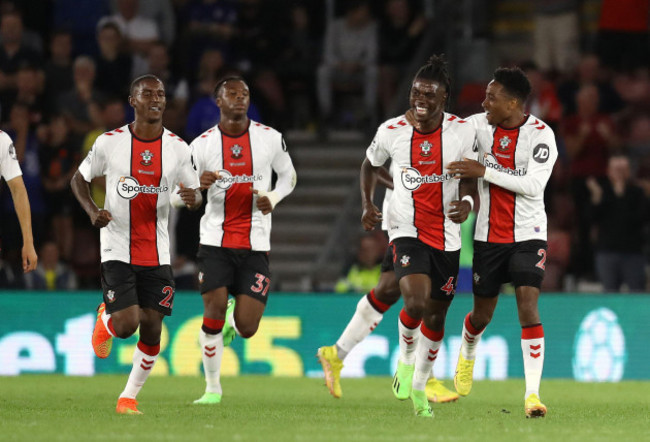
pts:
pixel 225 80
pixel 514 81
pixel 135 83
pixel 435 69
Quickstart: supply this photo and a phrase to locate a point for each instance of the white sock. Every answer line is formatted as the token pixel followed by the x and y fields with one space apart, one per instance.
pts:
pixel 470 338
pixel 142 365
pixel 425 356
pixel 532 347
pixel 408 337
pixel 231 320
pixel 363 322
pixel 212 351
pixel 105 317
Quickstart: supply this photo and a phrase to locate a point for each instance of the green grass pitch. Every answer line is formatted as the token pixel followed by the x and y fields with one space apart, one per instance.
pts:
pixel 258 408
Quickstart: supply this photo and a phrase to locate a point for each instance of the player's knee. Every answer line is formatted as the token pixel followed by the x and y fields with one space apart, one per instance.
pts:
pixel 125 329
pixel 414 308
pixel 247 330
pixel 387 295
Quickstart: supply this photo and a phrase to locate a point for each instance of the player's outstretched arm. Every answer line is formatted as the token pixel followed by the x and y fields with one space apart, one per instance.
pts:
pixel 81 189
pixel 23 211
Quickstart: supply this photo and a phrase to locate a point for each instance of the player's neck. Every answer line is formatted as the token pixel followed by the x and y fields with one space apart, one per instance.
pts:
pixel 429 125
pixel 515 120
pixel 232 126
pixel 145 130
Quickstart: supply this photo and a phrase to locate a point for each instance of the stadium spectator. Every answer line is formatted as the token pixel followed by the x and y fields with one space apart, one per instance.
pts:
pixel 510 245
pixel 59 156
pixel 543 101
pixel 51 273
pixel 159 64
pixel 58 68
pixel 349 59
pixel 76 103
pixel 113 64
pixel 623 40
pixel 590 138
pixel 400 30
pixel 138 31
pixel 80 19
pixel 556 36
pixel 233 251
pixel 10 171
pixel 364 273
pixel 424 232
pixel 160 11
pixel 136 275
pixel 13 54
pixel 621 215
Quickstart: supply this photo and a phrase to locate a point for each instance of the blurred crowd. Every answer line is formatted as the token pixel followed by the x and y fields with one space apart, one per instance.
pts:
pixel 66 66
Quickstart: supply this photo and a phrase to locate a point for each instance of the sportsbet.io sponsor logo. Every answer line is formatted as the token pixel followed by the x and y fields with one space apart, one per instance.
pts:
pixel 491 163
pixel 412 179
pixel 227 179
pixel 128 188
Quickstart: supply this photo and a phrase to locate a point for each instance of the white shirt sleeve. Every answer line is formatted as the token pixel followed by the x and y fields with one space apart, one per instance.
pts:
pixel 377 153
pixel 95 162
pixel 283 167
pixel 9 166
pixel 539 168
pixel 468 148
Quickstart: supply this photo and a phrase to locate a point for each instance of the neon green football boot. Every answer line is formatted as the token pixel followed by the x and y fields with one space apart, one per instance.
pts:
pixel 402 380
pixel 228 331
pixel 208 399
pixel 421 404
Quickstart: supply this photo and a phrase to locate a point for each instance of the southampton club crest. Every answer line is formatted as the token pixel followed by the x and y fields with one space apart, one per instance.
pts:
pixel 504 143
pixel 236 151
pixel 146 158
pixel 405 261
pixel 425 149
pixel 110 295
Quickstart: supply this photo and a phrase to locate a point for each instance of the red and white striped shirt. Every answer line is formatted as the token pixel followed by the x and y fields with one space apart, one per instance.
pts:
pixel 423 190
pixel 140 175
pixel 243 161
pixel 519 162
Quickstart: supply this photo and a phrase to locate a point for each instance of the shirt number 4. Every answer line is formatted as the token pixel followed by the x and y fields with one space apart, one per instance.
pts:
pixel 261 285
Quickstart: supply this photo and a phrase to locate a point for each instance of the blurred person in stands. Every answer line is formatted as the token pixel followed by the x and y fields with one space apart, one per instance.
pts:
pixel 623 40
pixel 59 157
pixel 75 104
pixel 349 58
pixel 620 211
pixel 543 101
pixel 590 138
pixel 364 272
pixel 556 37
pixel 400 30
pixel 160 11
pixel 51 273
pixel 113 63
pixel 58 68
pixel 159 64
pixel 13 54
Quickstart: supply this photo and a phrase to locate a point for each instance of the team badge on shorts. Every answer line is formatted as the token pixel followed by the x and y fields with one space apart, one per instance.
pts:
pixel 201 278
pixel 476 277
pixel 110 295
pixel 405 261
pixel 146 158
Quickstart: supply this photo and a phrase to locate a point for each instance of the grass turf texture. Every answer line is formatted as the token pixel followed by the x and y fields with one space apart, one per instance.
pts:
pixel 298 409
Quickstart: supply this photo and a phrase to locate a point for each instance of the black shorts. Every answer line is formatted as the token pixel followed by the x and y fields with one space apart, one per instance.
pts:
pixel 410 256
pixel 241 271
pixel 387 263
pixel 125 285
pixel 522 263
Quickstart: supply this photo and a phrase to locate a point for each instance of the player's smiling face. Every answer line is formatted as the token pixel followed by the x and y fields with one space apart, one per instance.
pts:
pixel 148 100
pixel 427 99
pixel 234 99
pixel 498 104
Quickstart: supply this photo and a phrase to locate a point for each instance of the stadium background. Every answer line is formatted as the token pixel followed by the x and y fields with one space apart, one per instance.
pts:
pixel 279 46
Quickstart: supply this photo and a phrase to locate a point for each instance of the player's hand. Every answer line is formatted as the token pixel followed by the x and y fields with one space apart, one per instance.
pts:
pixel 595 189
pixel 188 195
pixel 466 169
pixel 264 204
pixel 370 217
pixel 29 258
pixel 208 179
pixel 101 218
pixel 459 211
